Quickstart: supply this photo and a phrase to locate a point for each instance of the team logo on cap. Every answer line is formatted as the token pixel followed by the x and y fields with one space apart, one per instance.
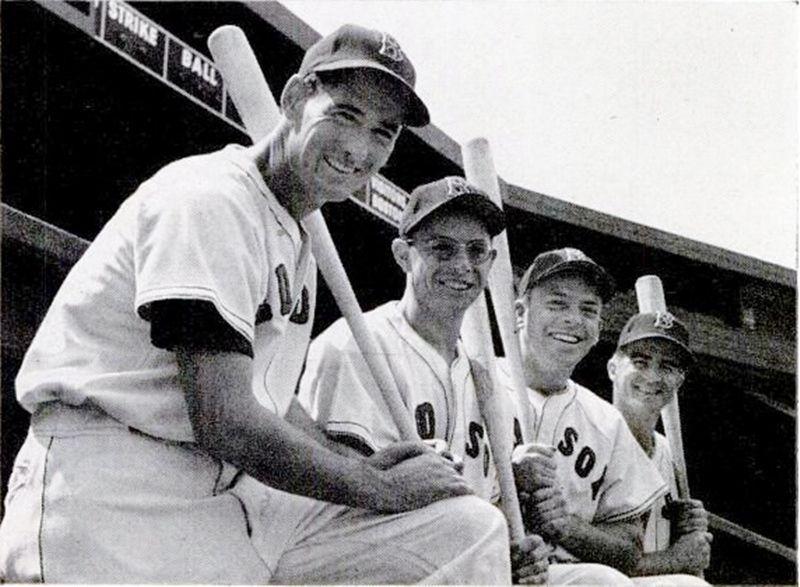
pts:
pixel 457 186
pixel 390 48
pixel 664 320
pixel 574 254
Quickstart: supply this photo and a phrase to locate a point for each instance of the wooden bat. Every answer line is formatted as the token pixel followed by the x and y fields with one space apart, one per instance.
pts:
pixel 650 297
pixel 477 336
pixel 245 82
pixel 480 171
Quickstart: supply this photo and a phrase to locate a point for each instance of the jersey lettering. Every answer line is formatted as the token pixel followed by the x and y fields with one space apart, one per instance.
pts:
pixel 473 448
pixel 596 485
pixel 585 462
pixel 426 420
pixel 485 463
pixel 567 446
pixel 264 313
pixel 283 289
pixel 301 310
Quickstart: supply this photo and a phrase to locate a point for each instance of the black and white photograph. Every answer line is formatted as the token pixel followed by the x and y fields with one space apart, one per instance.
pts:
pixel 393 292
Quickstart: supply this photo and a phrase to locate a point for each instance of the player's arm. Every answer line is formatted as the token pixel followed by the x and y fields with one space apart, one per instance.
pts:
pixel 617 544
pixel 230 424
pixel 690 554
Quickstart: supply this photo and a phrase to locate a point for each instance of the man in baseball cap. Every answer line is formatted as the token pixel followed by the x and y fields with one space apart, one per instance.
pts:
pixel 646 372
pixel 588 483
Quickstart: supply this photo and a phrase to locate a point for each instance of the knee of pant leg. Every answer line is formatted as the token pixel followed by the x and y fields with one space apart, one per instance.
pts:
pixel 597 574
pixel 473 518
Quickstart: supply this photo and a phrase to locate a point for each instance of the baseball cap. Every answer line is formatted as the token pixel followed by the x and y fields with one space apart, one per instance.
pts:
pixel 566 260
pixel 451 192
pixel 352 46
pixel 661 325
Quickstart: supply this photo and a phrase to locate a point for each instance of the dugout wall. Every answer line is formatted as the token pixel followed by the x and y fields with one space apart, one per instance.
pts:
pixel 98 95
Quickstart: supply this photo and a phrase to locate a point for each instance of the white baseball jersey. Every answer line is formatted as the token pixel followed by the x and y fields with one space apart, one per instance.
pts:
pixel 340 393
pixel 657 531
pixel 205 228
pixel 604 473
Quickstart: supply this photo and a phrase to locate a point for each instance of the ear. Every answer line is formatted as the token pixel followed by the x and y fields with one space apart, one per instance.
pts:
pixel 519 308
pixel 294 94
pixel 400 251
pixel 611 367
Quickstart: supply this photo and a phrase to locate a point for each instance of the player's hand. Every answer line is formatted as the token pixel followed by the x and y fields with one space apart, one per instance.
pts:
pixel 411 475
pixel 689 516
pixel 529 562
pixel 692 552
pixel 546 512
pixel 534 467
pixel 396 453
pixel 440 447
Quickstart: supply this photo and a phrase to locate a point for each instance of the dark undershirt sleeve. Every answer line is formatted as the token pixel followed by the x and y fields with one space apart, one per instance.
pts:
pixel 192 324
pixel 353 441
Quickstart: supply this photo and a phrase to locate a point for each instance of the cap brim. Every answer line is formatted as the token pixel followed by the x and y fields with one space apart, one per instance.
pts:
pixel 416 113
pixel 604 281
pixel 687 352
pixel 489 213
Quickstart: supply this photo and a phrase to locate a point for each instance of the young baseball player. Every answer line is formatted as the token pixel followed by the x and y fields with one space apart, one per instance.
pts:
pixel 149 376
pixel 646 371
pixel 444 248
pixel 590 483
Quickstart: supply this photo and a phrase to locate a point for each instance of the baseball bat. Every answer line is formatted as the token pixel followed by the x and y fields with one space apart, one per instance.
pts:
pixel 650 297
pixel 480 171
pixel 245 82
pixel 476 334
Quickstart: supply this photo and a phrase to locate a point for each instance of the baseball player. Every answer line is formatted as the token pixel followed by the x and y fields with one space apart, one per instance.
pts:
pixel 593 483
pixel 444 248
pixel 646 371
pixel 154 393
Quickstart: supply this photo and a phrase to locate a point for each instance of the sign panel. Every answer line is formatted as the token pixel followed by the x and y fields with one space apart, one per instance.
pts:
pixel 195 74
pixel 135 35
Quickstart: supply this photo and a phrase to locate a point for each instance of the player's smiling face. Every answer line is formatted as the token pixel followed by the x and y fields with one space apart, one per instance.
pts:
pixel 646 375
pixel 343 133
pixel 560 322
pixel 444 261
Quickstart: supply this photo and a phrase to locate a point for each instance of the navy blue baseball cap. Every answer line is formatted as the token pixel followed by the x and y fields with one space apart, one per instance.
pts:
pixel 660 325
pixel 448 193
pixel 352 47
pixel 567 260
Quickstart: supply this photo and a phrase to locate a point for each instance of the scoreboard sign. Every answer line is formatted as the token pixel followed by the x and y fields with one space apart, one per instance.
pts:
pixel 145 43
pixel 130 33
pixel 133 34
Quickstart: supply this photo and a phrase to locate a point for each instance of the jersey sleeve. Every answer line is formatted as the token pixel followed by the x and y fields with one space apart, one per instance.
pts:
pixel 201 246
pixel 338 390
pixel 632 482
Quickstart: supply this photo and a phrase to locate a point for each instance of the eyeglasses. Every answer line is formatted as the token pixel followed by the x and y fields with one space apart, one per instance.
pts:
pixel 443 248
